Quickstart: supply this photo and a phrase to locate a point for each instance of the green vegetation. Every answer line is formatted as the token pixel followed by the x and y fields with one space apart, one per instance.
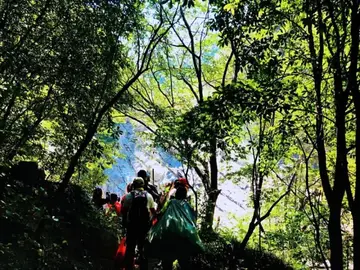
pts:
pixel 271 84
pixel 73 235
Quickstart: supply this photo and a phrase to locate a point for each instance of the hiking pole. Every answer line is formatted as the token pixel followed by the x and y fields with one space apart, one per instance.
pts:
pixel 153 176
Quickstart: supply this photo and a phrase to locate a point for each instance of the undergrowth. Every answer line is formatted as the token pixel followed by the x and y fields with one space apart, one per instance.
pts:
pixel 40 232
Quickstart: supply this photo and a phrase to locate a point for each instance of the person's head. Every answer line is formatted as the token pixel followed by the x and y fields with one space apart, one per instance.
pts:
pixel 183 182
pixel 143 174
pixel 113 198
pixel 97 194
pixel 180 182
pixel 129 188
pixel 138 183
pixel 181 193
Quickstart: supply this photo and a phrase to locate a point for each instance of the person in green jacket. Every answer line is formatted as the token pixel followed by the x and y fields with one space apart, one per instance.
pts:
pixel 183 259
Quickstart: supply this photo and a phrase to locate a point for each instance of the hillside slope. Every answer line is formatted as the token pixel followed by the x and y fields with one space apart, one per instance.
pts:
pixel 42 230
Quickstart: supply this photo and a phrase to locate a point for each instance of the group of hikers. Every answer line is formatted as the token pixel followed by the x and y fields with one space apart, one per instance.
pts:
pixel 158 225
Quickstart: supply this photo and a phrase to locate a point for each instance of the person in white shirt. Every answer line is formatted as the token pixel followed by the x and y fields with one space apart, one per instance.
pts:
pixel 137 209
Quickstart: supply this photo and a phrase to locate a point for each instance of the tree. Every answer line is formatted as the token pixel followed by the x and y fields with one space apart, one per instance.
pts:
pixel 52 72
pixel 309 45
pixel 63 67
pixel 182 74
pixel 103 108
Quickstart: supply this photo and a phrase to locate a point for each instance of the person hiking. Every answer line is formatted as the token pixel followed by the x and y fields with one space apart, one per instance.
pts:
pixel 97 198
pixel 137 207
pixel 179 182
pixel 175 236
pixel 128 190
pixel 113 205
pixel 148 187
pixel 120 253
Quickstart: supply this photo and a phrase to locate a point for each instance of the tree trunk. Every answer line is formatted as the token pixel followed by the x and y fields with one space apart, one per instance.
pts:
pixel 356 239
pixel 353 84
pixel 75 158
pixel 210 210
pixel 356 205
pixel 92 130
pixel 341 169
pixel 315 218
pixel 249 232
pixel 336 247
pixel 213 193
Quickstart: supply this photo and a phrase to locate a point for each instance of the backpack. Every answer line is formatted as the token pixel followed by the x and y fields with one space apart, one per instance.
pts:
pixel 177 225
pixel 138 213
pixel 153 192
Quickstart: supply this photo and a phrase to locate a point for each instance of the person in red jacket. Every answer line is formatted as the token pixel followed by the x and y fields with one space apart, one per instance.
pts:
pixel 114 205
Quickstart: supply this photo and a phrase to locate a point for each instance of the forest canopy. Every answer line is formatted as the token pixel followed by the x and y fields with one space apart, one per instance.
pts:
pixel 270 84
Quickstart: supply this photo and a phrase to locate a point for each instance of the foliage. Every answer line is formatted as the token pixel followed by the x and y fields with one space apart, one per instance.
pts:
pixel 271 85
pixel 220 249
pixel 293 53
pixel 76 237
pixel 59 63
pixel 181 79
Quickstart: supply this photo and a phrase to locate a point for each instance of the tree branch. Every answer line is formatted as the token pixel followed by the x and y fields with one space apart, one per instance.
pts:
pixel 226 69
pixel 267 214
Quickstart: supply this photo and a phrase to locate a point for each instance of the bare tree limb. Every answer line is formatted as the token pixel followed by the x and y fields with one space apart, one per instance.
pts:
pixel 267 214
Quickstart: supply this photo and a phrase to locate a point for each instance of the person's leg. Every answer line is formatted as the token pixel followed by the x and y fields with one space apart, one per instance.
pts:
pixel 130 249
pixel 141 246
